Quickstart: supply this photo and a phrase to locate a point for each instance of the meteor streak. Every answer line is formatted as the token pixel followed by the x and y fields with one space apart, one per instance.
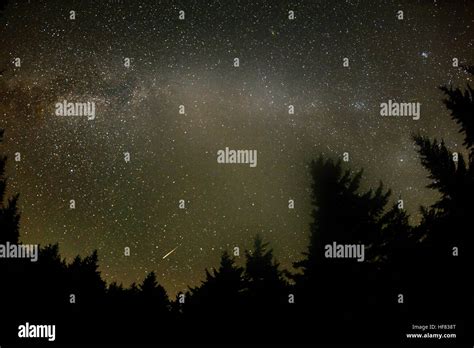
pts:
pixel 172 251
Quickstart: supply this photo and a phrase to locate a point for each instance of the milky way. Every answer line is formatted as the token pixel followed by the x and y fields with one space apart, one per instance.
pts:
pixel 189 62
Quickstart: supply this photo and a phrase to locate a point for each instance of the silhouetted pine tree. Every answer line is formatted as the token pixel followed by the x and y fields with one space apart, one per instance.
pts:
pixel 344 292
pixel 447 248
pixel 395 238
pixel 267 292
pixel 217 302
pixel 153 309
pixel 12 283
pixel 454 180
pixel 85 279
pixel 9 216
pixel 266 284
pixel 340 213
pixel 223 285
pixel 152 295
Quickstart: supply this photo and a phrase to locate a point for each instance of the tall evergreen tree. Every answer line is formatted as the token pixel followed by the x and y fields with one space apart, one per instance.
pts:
pixel 222 285
pixel 447 246
pixel 153 295
pixel 84 279
pixel 217 302
pixel 340 289
pixel 9 216
pixel 341 214
pixel 452 177
pixel 266 284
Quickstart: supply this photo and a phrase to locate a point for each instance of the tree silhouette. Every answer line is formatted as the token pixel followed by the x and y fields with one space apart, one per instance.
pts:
pixel 85 278
pixel 453 178
pixel 9 216
pixel 447 240
pixel 222 285
pixel 461 105
pixel 265 282
pixel 267 290
pixel 343 214
pixel 340 213
pixel 151 293
pixel 219 296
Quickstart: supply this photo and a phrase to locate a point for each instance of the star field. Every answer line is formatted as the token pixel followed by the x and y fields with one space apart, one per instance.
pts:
pixel 173 156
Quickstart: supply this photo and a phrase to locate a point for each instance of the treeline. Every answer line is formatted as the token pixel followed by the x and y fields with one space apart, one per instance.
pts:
pixel 411 275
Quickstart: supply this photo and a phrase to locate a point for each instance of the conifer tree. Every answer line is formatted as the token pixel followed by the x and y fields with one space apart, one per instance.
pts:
pixel 9 216
pixel 451 175
pixel 265 281
pixel 222 285
pixel 153 294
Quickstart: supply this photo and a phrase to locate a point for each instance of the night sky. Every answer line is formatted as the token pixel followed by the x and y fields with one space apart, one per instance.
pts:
pixel 173 156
